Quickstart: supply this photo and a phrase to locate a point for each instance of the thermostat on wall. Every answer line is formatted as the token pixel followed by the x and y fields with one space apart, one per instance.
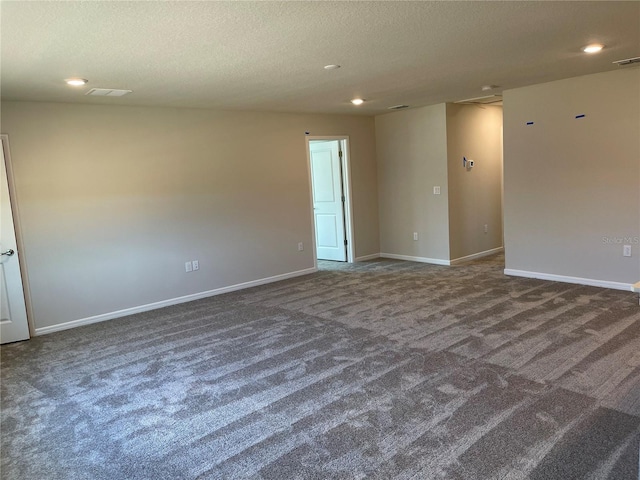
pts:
pixel 467 163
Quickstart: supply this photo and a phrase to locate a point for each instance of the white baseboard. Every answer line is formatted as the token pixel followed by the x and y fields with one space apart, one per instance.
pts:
pixel 486 253
pixel 566 279
pixel 435 261
pixel 169 302
pixel 364 258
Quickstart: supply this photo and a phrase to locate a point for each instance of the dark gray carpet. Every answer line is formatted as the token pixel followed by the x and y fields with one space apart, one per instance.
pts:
pixel 383 369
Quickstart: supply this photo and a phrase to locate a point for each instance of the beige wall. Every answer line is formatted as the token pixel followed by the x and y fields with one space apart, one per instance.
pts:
pixel 114 200
pixel 475 195
pixel 412 151
pixel 572 186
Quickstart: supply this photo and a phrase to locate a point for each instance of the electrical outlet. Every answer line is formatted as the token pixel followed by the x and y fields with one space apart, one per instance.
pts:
pixel 626 250
pixel 486 228
pixel 436 190
pixel 196 265
pixel 188 267
pixel 415 236
pixel 300 246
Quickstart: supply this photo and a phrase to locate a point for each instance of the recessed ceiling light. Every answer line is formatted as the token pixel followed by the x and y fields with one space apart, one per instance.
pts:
pixel 593 48
pixel 331 67
pixel 357 101
pixel 76 82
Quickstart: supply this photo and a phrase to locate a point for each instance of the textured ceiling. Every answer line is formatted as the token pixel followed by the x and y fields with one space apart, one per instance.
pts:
pixel 270 55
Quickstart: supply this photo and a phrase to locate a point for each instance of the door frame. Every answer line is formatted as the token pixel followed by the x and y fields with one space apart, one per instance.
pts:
pixel 4 138
pixel 346 183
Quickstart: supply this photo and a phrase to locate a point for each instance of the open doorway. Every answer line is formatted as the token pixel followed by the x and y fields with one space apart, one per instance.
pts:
pixel 331 198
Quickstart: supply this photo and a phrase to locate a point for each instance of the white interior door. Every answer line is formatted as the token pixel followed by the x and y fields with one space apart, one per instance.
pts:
pixel 13 313
pixel 328 200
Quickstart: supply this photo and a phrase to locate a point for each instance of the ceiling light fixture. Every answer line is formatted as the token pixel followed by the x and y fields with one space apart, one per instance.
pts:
pixel 76 82
pixel 331 67
pixel 357 101
pixel 487 88
pixel 593 48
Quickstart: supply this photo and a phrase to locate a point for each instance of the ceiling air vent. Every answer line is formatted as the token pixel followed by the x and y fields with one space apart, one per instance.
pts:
pixel 487 100
pixel 398 107
pixel 107 92
pixel 627 61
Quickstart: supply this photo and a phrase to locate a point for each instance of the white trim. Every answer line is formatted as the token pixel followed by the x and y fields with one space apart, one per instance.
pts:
pixel 435 261
pixel 566 279
pixel 313 220
pixel 351 247
pixel 169 302
pixel 486 253
pixel 364 258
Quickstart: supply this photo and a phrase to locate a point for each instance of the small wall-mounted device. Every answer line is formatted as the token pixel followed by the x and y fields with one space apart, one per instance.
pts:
pixel 467 163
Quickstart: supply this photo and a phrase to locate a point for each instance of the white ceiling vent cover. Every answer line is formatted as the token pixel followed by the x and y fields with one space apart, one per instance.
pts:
pixel 489 99
pixel 627 61
pixel 107 92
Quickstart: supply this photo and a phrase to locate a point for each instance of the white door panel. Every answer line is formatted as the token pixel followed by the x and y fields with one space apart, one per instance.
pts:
pixel 326 178
pixel 322 168
pixel 327 230
pixel 13 313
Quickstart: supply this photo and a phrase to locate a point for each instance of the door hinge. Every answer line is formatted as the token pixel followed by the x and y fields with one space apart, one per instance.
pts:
pixel 346 243
pixel 340 153
pixel 343 198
